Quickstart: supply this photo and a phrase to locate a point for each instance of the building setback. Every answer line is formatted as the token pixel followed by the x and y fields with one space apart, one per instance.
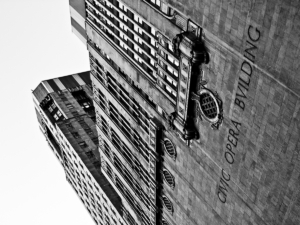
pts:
pixel 197 108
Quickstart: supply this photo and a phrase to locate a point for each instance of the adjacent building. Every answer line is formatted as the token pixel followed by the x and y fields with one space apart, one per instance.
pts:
pixel 66 117
pixel 197 108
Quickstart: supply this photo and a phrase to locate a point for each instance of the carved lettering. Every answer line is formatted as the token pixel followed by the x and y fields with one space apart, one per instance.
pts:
pixel 246 68
pixel 233 141
pixel 225 175
pixel 236 125
pixel 239 103
pixel 229 157
pixel 242 94
pixel 245 75
pixel 240 84
pixel 222 189
pixel 250 34
pixel 248 53
pixel 222 196
pixel 234 134
pixel 228 146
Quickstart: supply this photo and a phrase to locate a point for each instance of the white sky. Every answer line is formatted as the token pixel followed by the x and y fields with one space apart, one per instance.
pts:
pixel 36 43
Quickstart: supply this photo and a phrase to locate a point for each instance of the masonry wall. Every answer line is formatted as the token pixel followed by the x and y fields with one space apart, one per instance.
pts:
pixel 247 172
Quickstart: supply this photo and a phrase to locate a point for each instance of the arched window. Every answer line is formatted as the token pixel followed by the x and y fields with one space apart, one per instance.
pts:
pixel 169 178
pixel 170 149
pixel 167 203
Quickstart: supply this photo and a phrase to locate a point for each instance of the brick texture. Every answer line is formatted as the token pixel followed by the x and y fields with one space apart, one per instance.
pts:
pixel 264 186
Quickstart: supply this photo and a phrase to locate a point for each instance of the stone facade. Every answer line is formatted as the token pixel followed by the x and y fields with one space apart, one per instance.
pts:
pixel 246 169
pixel 247 172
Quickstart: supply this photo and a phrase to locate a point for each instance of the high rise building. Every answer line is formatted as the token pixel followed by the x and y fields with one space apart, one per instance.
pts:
pixel 66 117
pixel 197 108
pixel 198 104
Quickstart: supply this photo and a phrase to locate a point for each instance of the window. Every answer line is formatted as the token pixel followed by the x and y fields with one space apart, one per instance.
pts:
pixel 162 42
pixel 209 106
pixel 63 98
pixel 174 72
pixel 161 63
pixel 95 140
pixel 75 113
pixel 146 27
pixel 174 83
pixel 171 91
pixel 74 155
pixel 156 2
pixel 169 148
pixel 130 44
pixel 56 117
pixel 172 60
pixel 169 178
pixel 152 62
pixel 58 113
pixel 161 53
pixel 146 37
pixel 161 84
pixel 82 144
pixel 170 47
pixel 130 53
pixel 86 105
pixel 69 106
pixel 140 31
pixel 90 154
pixel 130 25
pixel 75 135
pixel 167 203
pixel 88 130
pixel 52 107
pixel 130 14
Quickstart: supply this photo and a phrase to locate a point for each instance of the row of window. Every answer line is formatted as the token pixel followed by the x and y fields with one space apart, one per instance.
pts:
pixel 69 105
pixel 168 177
pixel 127 102
pixel 126 129
pixel 127 195
pixel 86 192
pixel 165 200
pixel 49 106
pixel 167 67
pixel 123 12
pixel 135 186
pixel 129 157
pixel 126 38
pixel 142 59
pixel 168 82
pixel 96 65
pixel 95 68
pixel 81 180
